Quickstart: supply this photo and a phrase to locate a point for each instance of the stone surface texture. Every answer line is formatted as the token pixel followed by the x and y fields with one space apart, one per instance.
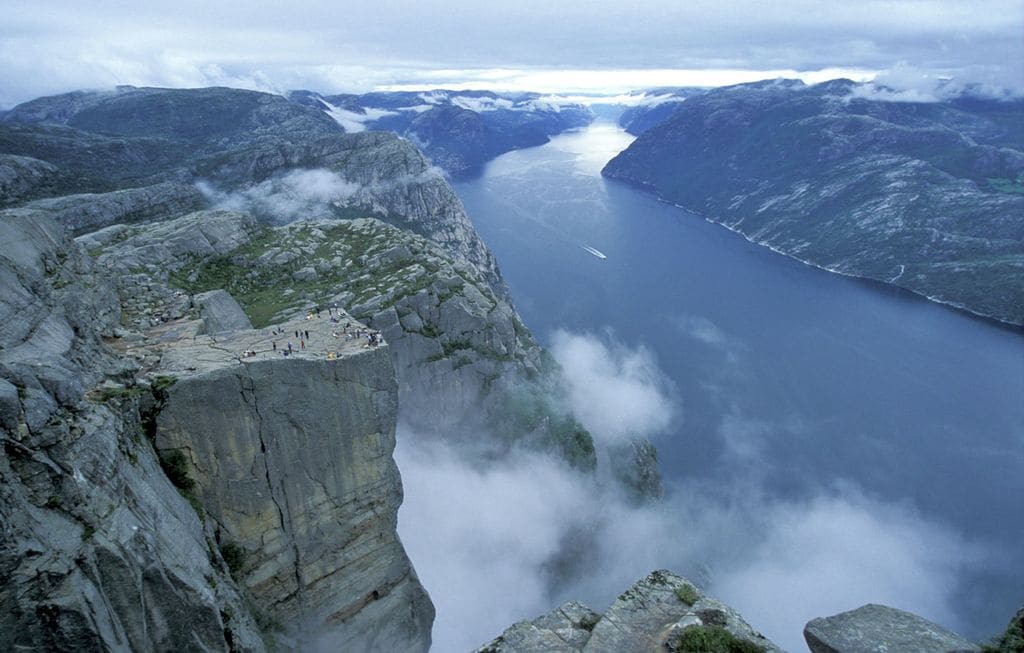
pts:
pixel 98 551
pixel 880 629
pixel 646 618
pixel 283 531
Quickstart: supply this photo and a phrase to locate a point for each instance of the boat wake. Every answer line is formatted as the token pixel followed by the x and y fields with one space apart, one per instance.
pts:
pixel 593 251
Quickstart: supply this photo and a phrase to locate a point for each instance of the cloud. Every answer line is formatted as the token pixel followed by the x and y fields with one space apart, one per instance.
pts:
pixel 297 195
pixel 702 329
pixel 616 392
pixel 510 540
pixel 479 537
pixel 906 83
pixel 745 439
pixel 838 551
pixel 571 47
pixel 354 122
pixel 496 541
pixel 479 104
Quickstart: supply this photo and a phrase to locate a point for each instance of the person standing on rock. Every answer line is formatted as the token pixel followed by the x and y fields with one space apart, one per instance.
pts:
pixel 302 343
pixel 307 334
pixel 275 345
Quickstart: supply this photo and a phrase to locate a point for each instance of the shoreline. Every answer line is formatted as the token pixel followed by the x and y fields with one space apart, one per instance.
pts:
pixel 1013 327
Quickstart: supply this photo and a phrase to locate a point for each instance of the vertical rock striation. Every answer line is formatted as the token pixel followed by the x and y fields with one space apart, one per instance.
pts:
pixel 98 551
pixel 291 458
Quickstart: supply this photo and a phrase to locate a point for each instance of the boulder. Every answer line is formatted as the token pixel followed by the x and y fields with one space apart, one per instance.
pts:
pixel 220 312
pixel 880 629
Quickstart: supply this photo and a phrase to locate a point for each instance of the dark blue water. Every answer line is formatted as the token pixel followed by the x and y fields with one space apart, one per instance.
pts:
pixel 841 379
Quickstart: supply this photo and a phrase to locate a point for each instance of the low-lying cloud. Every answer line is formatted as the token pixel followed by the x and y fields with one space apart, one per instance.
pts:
pixel 617 392
pixel 297 195
pixel 312 194
pixel 500 541
pixel 840 550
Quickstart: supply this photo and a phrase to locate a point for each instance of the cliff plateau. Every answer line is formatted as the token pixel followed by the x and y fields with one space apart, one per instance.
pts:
pixel 283 529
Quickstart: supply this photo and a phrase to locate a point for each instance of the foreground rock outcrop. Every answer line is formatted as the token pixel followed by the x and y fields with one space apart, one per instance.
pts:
pixel 161 490
pixel 880 629
pixel 661 612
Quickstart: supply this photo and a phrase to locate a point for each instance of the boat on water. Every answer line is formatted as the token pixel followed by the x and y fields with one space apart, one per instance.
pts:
pixel 593 251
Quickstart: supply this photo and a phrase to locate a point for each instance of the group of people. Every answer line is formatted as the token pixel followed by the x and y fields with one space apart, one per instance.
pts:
pixel 373 338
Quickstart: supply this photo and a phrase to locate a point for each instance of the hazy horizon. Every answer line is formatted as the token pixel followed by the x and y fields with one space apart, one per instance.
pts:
pixel 544 47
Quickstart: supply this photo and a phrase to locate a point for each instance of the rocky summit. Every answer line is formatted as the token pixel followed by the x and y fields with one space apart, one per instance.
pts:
pixel 660 612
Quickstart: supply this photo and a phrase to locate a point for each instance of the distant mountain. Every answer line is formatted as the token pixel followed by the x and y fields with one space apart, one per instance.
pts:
pixel 652 106
pixel 459 131
pixel 102 141
pixel 926 196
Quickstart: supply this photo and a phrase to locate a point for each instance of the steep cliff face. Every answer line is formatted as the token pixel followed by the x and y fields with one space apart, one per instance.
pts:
pixel 291 459
pixel 98 550
pixel 89 212
pixel 280 524
pixel 466 365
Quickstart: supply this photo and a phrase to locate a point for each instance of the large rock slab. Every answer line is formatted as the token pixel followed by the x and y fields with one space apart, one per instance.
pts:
pixel 880 629
pixel 220 312
pixel 21 175
pixel 87 212
pixel 649 617
pixel 98 550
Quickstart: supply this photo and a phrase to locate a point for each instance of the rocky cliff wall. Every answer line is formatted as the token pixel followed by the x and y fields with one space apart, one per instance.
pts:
pixel 291 458
pixel 98 551
pixel 106 543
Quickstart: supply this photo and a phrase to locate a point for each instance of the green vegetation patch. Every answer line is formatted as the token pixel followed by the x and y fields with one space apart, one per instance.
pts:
pixel 118 392
pixel 1005 185
pixel 267 290
pixel 687 594
pixel 1011 641
pixel 175 465
pixel 711 639
pixel 234 556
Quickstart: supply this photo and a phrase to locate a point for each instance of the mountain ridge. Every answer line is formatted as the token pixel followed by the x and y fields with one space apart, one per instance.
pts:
pixel 918 196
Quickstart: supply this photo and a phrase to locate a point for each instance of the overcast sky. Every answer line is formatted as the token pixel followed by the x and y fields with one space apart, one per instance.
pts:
pixel 51 46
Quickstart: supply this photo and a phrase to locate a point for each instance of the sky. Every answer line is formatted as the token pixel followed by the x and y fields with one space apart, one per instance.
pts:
pixel 597 46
